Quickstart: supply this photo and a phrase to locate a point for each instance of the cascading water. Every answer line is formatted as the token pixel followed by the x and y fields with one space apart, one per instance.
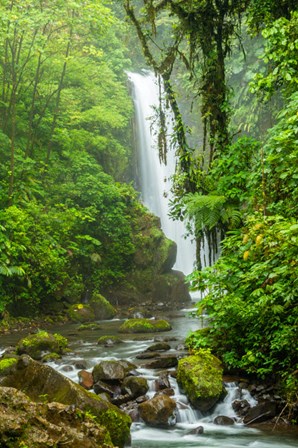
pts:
pixel 155 177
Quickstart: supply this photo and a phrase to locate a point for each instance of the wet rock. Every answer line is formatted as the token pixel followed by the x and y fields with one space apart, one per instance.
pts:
pixel 162 382
pixel 81 364
pixel 111 390
pixel 47 425
pixel 163 362
pixel 223 420
pixel 196 431
pixel 38 380
pixel 109 341
pixel 120 399
pixel 85 379
pixel 159 411
pixel 135 386
pixel 158 347
pixel 67 368
pixel 241 407
pixel 92 326
pixel 201 378
pixel 148 355
pixel 112 370
pixel 260 413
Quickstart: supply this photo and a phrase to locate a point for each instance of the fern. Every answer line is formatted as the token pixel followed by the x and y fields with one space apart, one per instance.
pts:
pixel 210 211
pixel 9 271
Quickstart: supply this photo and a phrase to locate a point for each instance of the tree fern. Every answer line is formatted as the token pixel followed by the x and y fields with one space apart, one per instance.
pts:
pixel 9 271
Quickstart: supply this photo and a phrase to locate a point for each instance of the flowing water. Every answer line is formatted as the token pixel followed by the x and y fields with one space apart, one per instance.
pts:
pixel 155 177
pixel 84 348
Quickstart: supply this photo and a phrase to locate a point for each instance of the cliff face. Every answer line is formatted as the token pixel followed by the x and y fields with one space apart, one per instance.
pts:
pixel 151 278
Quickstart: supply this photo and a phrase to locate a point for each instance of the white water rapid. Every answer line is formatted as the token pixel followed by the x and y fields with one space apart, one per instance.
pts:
pixel 155 177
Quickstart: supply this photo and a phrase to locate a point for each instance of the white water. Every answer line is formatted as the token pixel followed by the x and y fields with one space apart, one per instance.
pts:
pixel 155 177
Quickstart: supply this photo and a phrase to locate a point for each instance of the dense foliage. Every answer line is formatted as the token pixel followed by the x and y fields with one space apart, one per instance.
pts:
pixel 66 222
pixel 248 190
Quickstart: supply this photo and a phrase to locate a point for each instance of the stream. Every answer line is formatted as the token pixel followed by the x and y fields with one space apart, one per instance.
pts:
pixel 84 348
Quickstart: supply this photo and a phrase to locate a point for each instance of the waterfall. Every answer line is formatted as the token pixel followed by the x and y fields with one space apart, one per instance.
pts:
pixel 155 177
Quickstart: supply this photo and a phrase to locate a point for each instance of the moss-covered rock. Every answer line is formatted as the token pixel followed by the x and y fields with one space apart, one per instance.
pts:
pixel 200 376
pixel 81 313
pixel 39 344
pixel 6 365
pixel 28 424
pixel 109 340
pixel 102 307
pixel 144 326
pixel 41 381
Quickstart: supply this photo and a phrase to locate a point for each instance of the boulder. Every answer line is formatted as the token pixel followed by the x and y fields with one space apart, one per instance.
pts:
pixel 241 407
pixel 109 341
pixel 158 347
pixel 162 382
pixel 39 380
pixel 144 326
pixel 80 312
pixel 163 362
pixel 39 344
pixel 135 386
pixel 35 425
pixel 200 376
pixel 111 390
pixel 102 308
pixel 260 413
pixel 159 411
pixel 111 370
pixel 223 420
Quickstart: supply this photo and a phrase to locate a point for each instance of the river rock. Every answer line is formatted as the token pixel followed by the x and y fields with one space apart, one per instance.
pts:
pixel 112 390
pixel 110 370
pixel 200 376
pixel 145 326
pixel 39 344
pixel 197 430
pixel 158 347
pixel 223 420
pixel 162 382
pixel 29 424
pixel 135 386
pixel 40 380
pixel 102 308
pixel 85 379
pixel 241 407
pixel 159 411
pixel 260 413
pixel 163 362
pixel 80 312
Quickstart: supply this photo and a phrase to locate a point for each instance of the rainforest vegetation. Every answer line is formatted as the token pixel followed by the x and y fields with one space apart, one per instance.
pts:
pixel 230 73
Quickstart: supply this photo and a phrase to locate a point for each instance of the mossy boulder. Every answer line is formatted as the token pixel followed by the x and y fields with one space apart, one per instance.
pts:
pixel 109 340
pixel 39 344
pixel 28 424
pixel 200 376
pixel 145 326
pixel 41 381
pixel 135 386
pixel 102 308
pixel 91 326
pixel 6 365
pixel 81 312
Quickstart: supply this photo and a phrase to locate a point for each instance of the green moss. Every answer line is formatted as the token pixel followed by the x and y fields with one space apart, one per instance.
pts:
pixel 102 307
pixel 105 339
pixel 117 425
pixel 144 326
pixel 200 375
pixel 6 365
pixel 35 344
pixel 91 326
pixel 81 313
